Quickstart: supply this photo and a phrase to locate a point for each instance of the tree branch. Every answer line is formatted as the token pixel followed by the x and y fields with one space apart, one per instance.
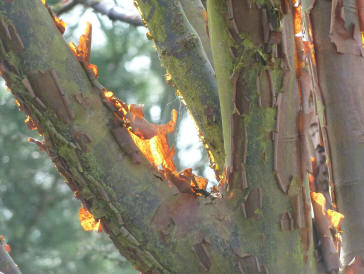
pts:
pixel 196 15
pixel 113 12
pixel 339 98
pixel 80 151
pixel 61 8
pixel 116 13
pixel 7 265
pixel 181 52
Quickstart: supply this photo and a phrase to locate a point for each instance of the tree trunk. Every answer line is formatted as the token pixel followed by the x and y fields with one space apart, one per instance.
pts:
pixel 337 28
pixel 260 145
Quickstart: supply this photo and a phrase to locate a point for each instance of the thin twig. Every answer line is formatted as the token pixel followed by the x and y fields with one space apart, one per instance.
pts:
pixel 66 8
pixel 114 13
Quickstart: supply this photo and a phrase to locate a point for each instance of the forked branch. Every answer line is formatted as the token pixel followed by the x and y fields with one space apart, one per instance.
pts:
pixel 86 132
pixel 188 69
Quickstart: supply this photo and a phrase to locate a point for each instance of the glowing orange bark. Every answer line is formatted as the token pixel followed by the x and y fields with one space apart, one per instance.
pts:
pixel 335 218
pixel 319 199
pixel 83 50
pixel 88 221
pixel 60 24
pixel 6 246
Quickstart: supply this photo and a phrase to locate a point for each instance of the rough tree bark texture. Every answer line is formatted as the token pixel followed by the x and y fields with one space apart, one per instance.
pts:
pixel 263 224
pixel 181 52
pixel 256 75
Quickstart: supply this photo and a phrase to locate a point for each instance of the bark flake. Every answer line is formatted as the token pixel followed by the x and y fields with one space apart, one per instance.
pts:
pixel 253 203
pixel 48 92
pixel 346 40
pixel 201 251
pixel 9 32
pixel 287 222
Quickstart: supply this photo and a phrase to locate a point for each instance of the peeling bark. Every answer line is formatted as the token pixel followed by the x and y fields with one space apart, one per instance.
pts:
pixel 152 224
pixel 253 203
pixel 286 221
pixel 345 34
pixel 257 84
pixel 47 90
pixel 328 248
pixel 279 109
pixel 202 254
pixel 339 98
pixel 85 153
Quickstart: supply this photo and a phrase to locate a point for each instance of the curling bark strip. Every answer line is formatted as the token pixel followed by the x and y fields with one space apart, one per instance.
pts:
pixel 313 154
pixel 338 48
